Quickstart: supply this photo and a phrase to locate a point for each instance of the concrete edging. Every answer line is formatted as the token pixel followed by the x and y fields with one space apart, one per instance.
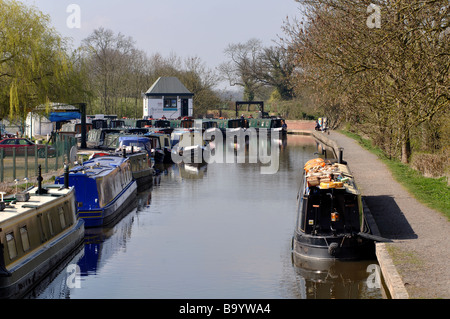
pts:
pixel 391 276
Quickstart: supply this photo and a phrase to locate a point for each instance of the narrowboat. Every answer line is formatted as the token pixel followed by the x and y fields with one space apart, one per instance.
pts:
pixel 39 232
pixel 104 188
pixel 148 144
pixel 163 126
pixel 231 125
pixel 331 222
pixel 140 163
pixel 209 126
pixel 164 145
pixel 96 137
pixel 275 124
pixel 74 129
pixel 141 123
pixel 157 150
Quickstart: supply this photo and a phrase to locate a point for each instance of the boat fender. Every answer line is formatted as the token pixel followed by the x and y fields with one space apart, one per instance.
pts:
pixel 333 249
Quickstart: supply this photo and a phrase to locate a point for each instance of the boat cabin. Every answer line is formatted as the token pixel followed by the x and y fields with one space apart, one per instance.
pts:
pixel 329 201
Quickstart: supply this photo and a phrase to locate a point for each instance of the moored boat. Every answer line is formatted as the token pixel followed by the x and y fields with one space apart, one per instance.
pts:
pixel 104 189
pixel 38 233
pixel 164 145
pixel 140 163
pixel 331 222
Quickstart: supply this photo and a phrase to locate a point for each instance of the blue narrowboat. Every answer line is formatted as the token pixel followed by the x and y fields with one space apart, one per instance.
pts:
pixel 104 188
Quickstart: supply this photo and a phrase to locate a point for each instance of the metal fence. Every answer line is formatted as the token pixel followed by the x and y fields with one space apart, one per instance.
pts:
pixel 24 163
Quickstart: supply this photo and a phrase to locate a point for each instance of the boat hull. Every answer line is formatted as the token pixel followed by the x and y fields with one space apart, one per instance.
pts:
pixel 110 212
pixel 341 247
pixel 27 275
pixel 144 180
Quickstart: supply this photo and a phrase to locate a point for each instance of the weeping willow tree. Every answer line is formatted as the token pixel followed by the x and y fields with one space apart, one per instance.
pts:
pixel 35 67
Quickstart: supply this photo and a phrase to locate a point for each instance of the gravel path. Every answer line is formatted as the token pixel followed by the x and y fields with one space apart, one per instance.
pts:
pixel 420 248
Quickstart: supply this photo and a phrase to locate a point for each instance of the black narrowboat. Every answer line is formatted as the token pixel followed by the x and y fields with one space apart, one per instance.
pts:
pixel 331 222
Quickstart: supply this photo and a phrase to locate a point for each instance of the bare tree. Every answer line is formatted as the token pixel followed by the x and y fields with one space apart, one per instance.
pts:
pixel 275 68
pixel 108 57
pixel 386 80
pixel 241 67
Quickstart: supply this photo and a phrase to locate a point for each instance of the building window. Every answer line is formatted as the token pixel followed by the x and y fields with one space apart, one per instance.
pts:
pixel 170 103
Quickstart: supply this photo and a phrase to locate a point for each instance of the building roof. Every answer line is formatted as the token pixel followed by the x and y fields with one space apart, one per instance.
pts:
pixel 168 86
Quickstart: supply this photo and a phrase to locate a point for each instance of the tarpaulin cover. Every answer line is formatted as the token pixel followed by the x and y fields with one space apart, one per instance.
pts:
pixel 64 116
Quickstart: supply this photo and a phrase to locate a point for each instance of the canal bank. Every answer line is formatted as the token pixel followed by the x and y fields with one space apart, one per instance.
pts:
pixel 415 264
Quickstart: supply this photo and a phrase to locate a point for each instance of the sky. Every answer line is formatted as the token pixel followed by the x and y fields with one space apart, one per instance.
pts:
pixel 202 28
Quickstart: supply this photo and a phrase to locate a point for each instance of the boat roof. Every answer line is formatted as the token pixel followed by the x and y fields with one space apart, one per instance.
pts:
pixel 17 210
pixel 341 169
pixel 134 138
pixel 99 166
pixel 350 187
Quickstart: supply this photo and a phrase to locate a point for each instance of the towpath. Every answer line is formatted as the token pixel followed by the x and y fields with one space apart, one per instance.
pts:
pixel 420 249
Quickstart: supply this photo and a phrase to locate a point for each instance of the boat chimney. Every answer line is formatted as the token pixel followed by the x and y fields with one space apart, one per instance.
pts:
pixel 2 205
pixel 40 190
pixel 66 176
pixel 341 155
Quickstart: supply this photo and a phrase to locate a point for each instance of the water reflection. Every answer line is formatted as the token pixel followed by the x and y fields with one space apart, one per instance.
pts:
pixel 221 230
pixel 336 279
pixel 100 244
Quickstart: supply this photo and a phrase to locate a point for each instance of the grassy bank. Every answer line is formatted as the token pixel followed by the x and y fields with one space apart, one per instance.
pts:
pixel 433 192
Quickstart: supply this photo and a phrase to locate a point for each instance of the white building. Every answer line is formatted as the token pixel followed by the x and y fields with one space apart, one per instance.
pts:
pixel 37 125
pixel 168 97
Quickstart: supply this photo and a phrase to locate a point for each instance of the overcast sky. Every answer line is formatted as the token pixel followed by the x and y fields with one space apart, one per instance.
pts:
pixel 201 28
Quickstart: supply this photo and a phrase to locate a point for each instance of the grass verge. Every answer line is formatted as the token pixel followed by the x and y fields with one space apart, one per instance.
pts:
pixel 433 192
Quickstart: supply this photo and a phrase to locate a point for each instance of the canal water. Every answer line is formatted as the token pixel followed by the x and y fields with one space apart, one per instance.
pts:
pixel 219 231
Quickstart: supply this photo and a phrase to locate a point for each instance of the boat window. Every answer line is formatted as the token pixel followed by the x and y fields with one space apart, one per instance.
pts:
pixel 11 243
pixel 50 224
pixel 62 218
pixel 24 238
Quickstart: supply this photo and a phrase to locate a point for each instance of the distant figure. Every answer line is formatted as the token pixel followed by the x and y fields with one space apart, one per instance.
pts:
pixel 284 125
pixel 324 124
pixel 317 128
pixel 163 117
